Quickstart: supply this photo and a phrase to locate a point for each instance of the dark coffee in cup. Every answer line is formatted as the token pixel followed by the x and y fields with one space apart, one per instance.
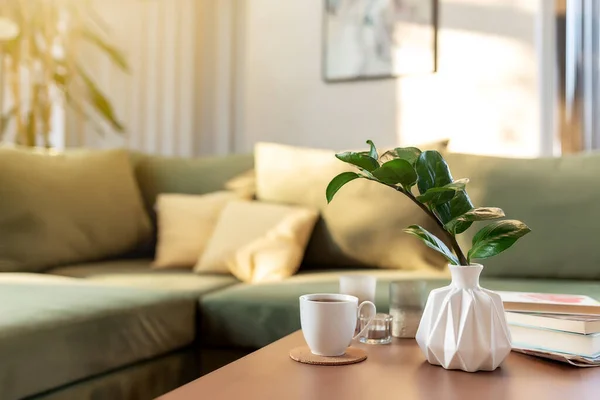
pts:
pixel 327 301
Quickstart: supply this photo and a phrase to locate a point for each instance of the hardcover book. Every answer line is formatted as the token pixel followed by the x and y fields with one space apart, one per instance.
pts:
pixel 584 324
pixel 524 337
pixel 550 303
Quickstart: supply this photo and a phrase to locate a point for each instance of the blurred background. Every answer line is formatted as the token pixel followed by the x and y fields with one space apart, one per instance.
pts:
pixel 196 77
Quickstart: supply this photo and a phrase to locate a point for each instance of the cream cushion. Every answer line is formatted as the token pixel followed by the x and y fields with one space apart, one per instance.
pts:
pixel 185 224
pixel 244 184
pixel 258 242
pixel 363 225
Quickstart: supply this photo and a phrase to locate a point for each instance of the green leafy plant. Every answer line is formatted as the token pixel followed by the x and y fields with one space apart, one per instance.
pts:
pixel 441 197
pixel 40 59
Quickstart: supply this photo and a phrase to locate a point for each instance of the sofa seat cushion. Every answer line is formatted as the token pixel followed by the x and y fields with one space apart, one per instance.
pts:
pixel 57 330
pixel 252 316
pixel 138 273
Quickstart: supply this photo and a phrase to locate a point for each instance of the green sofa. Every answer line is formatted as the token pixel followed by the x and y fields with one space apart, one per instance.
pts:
pixel 117 329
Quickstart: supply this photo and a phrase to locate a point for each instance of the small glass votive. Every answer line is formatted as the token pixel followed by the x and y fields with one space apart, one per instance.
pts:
pixel 407 301
pixel 379 330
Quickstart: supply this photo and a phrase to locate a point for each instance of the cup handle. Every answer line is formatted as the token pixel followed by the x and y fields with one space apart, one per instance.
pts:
pixel 368 303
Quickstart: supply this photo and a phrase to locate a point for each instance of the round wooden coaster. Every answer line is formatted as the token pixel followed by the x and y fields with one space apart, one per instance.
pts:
pixel 303 354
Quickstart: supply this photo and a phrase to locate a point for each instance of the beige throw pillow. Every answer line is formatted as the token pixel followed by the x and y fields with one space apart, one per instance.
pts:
pixel 258 242
pixel 363 225
pixel 244 184
pixel 185 224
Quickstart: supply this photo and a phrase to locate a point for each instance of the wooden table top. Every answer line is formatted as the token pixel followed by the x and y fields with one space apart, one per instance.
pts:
pixel 394 371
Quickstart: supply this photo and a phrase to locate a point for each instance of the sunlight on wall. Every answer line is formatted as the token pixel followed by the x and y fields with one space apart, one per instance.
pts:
pixel 283 96
pixel 529 6
pixel 485 95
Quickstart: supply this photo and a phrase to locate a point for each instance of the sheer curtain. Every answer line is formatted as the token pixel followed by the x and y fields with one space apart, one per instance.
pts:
pixel 578 53
pixel 176 99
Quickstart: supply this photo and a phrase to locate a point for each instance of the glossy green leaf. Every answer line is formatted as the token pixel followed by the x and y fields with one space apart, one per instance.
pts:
pixel 476 214
pixel 410 154
pixel 338 182
pixel 496 237
pixel 363 161
pixel 396 172
pixel 388 155
pixel 459 205
pixel 372 150
pixel 436 196
pixel 432 171
pixel 432 242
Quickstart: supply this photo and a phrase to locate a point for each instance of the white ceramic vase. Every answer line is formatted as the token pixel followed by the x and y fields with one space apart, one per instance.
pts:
pixel 463 325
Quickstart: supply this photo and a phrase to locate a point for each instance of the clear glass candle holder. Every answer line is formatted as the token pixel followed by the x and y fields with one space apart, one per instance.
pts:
pixel 379 330
pixel 407 301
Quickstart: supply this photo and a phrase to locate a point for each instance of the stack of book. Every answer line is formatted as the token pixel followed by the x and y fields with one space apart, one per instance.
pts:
pixel 557 326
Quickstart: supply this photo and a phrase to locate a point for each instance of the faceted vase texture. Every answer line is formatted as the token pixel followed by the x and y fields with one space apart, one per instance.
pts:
pixel 463 325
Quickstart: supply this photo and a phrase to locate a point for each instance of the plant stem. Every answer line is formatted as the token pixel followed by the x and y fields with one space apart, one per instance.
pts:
pixel 461 257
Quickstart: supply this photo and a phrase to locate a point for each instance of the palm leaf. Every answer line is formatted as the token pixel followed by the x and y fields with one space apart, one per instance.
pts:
pixel 98 101
pixel 80 109
pixel 85 11
pixel 115 55
pixel 5 120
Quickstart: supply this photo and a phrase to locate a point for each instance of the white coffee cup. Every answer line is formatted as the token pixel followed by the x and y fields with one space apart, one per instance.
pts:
pixel 329 321
pixel 361 286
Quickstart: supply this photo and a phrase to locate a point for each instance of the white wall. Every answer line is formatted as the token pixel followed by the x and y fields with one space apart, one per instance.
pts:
pixel 282 95
pixel 485 96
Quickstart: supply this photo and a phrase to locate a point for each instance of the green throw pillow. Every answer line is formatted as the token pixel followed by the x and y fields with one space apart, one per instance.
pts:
pixel 61 208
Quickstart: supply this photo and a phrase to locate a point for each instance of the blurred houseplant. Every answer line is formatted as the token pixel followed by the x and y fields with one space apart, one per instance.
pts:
pixel 463 326
pixel 40 66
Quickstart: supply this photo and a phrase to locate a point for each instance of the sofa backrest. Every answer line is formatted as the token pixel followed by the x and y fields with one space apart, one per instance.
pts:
pixel 156 174
pixel 558 198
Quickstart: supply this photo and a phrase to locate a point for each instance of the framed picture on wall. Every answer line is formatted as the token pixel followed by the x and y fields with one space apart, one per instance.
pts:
pixel 374 39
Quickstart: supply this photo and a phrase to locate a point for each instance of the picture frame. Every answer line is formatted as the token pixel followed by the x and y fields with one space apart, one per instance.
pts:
pixel 378 39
